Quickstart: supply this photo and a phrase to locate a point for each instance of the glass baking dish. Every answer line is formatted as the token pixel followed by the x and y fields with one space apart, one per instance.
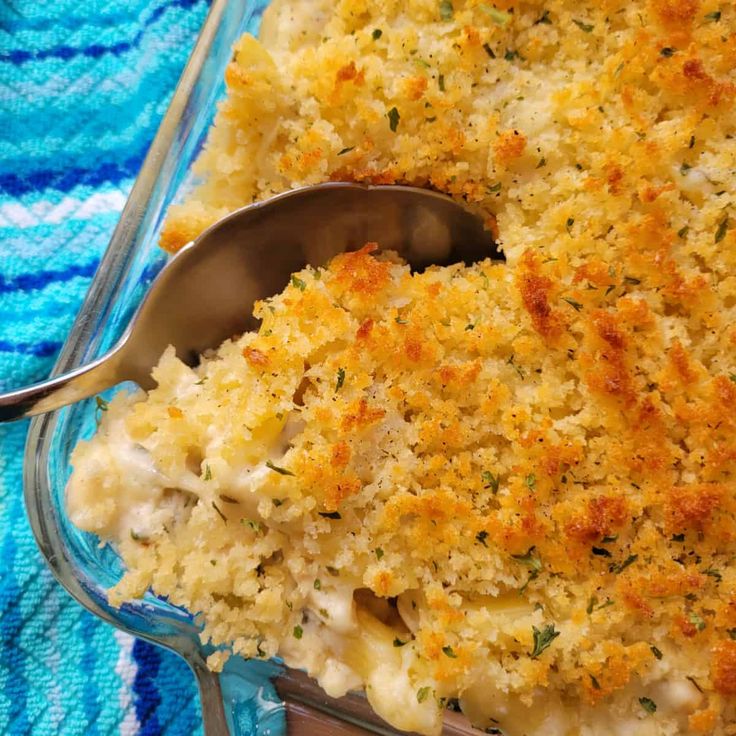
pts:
pixel 248 697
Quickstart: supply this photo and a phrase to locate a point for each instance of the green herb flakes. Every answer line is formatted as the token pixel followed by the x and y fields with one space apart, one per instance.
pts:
pixel 714 17
pixel 490 482
pixel 489 50
pixel 298 283
pixel 667 51
pixel 713 573
pixel 543 19
pixel 278 469
pixel 656 652
pixel 393 119
pixel 696 620
pixel 585 27
pixel 441 82
pixel 630 560
pixel 499 17
pixel 577 306
pixel 377 33
pixel 298 632
pixel 379 553
pixel 531 560
pixel 594 605
pixel 345 150
pixel 423 693
pixel 531 481
pixel 102 405
pixel 340 379
pixel 648 704
pixel 448 651
pixel 330 514
pixel 398 642
pixel 481 537
pixel 543 638
pixel 207 472
pixel 318 584
pixel 446 10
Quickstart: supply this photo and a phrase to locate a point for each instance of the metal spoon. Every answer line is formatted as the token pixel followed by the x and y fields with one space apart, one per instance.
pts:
pixel 206 293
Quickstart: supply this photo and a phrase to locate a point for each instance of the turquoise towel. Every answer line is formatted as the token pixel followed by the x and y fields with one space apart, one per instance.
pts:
pixel 83 85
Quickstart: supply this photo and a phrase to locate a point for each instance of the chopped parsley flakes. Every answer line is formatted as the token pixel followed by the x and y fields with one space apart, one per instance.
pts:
pixel 585 27
pixel 543 638
pixel 722 229
pixel 490 482
pixel 278 469
pixel 393 119
pixel 499 17
pixel 423 693
pixel 340 379
pixel 298 283
pixel 446 10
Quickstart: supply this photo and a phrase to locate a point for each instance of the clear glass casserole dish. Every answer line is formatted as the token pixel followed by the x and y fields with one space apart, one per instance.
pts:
pixel 248 697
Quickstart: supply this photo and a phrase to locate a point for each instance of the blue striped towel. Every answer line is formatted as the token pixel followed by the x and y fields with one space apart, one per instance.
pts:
pixel 83 85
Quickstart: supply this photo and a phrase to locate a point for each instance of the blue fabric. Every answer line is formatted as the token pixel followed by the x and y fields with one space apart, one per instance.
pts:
pixel 83 86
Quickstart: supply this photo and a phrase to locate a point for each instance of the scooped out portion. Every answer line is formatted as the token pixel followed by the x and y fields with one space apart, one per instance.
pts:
pixel 453 484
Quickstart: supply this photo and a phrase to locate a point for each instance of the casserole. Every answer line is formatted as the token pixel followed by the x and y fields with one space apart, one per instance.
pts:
pixel 240 700
pixel 596 332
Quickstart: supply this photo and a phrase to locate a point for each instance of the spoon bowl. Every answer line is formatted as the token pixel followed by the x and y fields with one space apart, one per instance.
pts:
pixel 206 292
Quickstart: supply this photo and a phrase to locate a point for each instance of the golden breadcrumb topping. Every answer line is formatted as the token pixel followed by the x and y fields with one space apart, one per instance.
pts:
pixel 532 462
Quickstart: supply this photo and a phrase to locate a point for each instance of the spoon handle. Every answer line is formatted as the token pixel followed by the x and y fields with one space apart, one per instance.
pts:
pixel 59 391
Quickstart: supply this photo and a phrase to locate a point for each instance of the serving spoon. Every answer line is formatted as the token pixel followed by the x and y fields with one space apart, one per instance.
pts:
pixel 206 292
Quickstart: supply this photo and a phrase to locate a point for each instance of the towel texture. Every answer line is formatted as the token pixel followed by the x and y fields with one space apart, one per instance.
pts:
pixel 83 86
